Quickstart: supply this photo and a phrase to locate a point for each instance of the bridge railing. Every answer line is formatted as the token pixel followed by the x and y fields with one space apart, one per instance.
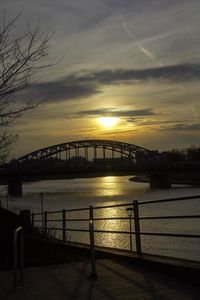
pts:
pixel 125 219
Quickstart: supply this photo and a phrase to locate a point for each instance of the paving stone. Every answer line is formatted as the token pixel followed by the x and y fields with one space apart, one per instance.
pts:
pixel 116 280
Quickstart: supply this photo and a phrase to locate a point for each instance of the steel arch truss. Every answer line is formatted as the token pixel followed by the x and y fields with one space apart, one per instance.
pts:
pixel 125 149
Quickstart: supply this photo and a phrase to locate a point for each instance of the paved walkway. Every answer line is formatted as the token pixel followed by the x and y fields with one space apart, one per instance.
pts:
pixel 116 280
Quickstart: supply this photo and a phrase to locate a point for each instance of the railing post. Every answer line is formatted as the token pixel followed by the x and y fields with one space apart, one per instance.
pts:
pixel 22 256
pixel 42 207
pixel 32 219
pixel 130 229
pixel 92 249
pixel 45 222
pixel 129 211
pixel 137 227
pixel 63 225
pixel 25 216
pixel 18 231
pixel 15 259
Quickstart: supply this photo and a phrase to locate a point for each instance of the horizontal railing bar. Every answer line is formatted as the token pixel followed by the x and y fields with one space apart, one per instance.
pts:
pixel 76 220
pixel 94 219
pixel 69 210
pixel 54 211
pixel 87 230
pixel 66 229
pixel 60 211
pixel 127 232
pixel 77 209
pixel 86 208
pixel 125 218
pixel 114 231
pixel 169 200
pixel 140 218
pixel 150 233
pixel 49 212
pixel 172 234
pixel 111 206
pixel 125 204
pixel 60 220
pixel 113 218
pixel 47 220
pixel 170 217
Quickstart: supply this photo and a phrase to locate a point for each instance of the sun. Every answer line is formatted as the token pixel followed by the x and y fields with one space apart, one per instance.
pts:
pixel 108 122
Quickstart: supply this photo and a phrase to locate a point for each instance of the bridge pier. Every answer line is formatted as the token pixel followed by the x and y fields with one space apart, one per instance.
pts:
pixel 160 181
pixel 15 188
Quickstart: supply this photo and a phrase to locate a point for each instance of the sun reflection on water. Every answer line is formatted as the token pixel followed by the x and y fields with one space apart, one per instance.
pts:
pixel 108 186
pixel 112 239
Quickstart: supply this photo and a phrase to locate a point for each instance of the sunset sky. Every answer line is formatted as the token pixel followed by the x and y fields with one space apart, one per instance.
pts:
pixel 135 61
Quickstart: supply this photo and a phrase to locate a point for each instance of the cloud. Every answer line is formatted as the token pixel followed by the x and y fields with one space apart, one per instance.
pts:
pixel 55 91
pixel 173 73
pixel 88 83
pixel 115 113
pixel 182 127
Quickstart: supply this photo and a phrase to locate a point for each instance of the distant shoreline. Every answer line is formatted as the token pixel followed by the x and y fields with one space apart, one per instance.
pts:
pixel 142 179
pixel 183 181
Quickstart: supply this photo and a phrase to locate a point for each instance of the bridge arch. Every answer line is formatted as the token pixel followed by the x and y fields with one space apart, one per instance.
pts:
pixel 123 150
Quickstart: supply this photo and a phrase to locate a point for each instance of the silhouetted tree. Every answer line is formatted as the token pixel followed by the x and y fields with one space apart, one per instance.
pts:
pixel 20 55
pixel 193 154
pixel 177 155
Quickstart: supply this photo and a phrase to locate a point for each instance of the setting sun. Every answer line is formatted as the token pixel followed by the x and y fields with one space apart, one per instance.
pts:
pixel 108 122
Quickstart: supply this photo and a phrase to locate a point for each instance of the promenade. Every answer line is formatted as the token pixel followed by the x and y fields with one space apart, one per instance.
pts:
pixel 116 280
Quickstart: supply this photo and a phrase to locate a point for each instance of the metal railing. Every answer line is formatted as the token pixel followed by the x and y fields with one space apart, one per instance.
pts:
pixel 19 232
pixel 133 214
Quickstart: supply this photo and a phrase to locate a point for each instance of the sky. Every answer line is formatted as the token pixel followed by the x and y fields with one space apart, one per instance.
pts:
pixel 135 61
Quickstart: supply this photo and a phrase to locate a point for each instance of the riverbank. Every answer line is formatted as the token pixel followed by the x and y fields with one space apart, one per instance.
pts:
pixel 179 181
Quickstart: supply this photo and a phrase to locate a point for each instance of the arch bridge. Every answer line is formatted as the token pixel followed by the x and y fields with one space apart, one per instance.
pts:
pixel 76 157
pixel 123 150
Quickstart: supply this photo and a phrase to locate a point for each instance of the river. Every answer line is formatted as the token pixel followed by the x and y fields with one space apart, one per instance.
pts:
pixel 75 193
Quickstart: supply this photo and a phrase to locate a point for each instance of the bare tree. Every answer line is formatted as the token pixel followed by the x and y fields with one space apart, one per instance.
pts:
pixel 20 59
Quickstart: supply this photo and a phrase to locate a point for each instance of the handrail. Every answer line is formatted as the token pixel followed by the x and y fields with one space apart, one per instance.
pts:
pixel 132 217
pixel 18 231
pixel 67 210
pixel 169 200
pixel 125 204
pixel 126 218
pixel 126 232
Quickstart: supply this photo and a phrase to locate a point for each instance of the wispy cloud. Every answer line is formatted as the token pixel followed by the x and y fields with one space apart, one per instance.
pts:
pixel 182 127
pixel 115 113
pixel 172 73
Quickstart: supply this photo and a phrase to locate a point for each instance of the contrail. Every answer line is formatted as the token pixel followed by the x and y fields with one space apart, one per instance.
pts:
pixel 145 51
pixel 181 87
pixel 126 27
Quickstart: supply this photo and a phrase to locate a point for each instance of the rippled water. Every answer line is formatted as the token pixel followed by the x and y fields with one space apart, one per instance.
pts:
pixel 75 193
